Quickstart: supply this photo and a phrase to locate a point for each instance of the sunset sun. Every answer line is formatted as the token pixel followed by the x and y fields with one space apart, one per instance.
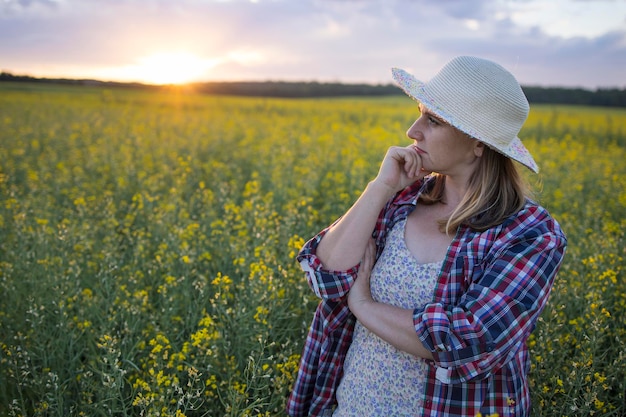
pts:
pixel 169 68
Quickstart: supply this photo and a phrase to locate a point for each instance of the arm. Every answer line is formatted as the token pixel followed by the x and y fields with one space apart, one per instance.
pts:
pixel 390 323
pixel 488 323
pixel 480 332
pixel 335 284
pixel 344 243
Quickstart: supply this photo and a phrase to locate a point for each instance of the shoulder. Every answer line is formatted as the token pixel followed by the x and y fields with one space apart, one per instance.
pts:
pixel 532 226
pixel 534 217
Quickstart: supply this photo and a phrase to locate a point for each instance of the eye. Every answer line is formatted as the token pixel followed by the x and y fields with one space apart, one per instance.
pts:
pixel 433 121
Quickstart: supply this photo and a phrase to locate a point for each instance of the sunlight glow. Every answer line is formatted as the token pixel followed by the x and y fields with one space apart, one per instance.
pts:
pixel 173 68
pixel 179 67
pixel 166 68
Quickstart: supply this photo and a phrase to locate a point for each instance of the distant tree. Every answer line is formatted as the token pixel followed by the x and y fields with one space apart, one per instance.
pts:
pixel 538 95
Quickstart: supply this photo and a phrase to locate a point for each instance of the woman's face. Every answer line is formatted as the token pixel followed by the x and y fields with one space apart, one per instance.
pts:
pixel 443 148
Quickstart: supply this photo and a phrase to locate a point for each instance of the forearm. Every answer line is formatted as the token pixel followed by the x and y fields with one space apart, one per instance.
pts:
pixel 343 245
pixel 392 324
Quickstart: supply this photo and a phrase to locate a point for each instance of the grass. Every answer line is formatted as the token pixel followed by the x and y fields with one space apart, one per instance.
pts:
pixel 148 243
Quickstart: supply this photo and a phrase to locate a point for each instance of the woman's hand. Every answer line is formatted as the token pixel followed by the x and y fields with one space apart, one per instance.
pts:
pixel 400 168
pixel 392 324
pixel 360 294
pixel 344 244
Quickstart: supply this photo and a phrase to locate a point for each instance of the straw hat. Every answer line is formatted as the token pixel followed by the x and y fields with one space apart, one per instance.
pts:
pixel 479 98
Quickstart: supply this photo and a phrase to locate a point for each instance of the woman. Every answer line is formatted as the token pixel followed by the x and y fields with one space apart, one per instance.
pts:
pixel 443 260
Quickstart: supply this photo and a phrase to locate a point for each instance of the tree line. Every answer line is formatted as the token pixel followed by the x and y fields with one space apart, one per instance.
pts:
pixel 609 97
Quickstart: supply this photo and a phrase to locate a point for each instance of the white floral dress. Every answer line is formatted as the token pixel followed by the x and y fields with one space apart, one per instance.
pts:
pixel 380 380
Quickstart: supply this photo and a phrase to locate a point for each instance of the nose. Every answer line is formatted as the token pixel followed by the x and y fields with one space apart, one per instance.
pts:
pixel 413 131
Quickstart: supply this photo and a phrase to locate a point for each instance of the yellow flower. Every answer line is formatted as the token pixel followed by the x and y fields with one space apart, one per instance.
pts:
pixel 261 313
pixel 599 378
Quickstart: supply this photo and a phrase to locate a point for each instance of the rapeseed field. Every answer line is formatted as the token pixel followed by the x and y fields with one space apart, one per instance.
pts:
pixel 148 241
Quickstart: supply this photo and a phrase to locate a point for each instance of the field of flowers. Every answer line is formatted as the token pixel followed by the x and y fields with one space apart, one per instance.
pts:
pixel 147 244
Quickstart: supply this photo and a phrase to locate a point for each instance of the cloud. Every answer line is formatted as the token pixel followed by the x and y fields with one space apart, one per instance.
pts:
pixel 327 40
pixel 568 61
pixel 18 6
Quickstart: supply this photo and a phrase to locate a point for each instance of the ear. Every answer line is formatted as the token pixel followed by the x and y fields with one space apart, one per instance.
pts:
pixel 479 148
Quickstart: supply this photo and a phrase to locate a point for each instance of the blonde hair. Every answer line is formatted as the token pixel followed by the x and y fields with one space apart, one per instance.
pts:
pixel 496 190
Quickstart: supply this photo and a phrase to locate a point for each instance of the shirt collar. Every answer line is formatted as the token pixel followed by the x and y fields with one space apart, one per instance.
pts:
pixel 411 193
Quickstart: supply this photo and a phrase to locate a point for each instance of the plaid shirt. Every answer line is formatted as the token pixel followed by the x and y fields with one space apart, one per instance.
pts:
pixel 490 292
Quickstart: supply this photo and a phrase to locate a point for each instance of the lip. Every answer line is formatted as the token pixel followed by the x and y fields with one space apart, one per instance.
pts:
pixel 419 150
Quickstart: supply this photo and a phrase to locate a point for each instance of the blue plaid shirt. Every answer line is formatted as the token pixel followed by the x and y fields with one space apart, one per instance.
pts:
pixel 490 292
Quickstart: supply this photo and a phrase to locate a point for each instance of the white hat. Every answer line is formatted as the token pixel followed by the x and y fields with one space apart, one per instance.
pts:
pixel 478 97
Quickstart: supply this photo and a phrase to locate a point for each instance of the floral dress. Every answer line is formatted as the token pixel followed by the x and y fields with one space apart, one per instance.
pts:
pixel 380 380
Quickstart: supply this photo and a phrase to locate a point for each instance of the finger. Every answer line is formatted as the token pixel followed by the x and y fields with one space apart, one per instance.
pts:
pixel 370 253
pixel 372 245
pixel 409 164
pixel 366 260
pixel 407 160
pixel 414 163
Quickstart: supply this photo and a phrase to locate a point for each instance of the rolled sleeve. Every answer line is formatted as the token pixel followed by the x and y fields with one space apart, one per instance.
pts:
pixel 326 284
pixel 488 324
pixel 332 285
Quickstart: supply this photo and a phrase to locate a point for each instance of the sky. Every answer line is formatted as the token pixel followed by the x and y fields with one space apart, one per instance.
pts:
pixel 550 43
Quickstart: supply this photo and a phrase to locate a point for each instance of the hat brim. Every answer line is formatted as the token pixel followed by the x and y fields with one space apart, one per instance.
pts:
pixel 416 89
